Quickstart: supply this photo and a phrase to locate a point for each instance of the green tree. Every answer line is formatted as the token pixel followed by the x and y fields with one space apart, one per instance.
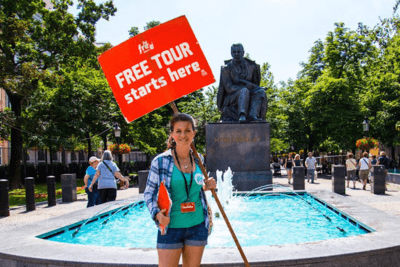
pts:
pixel 382 100
pixel 33 41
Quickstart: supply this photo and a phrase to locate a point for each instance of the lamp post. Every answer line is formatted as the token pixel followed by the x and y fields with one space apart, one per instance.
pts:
pixel 117 133
pixel 366 128
pixel 366 125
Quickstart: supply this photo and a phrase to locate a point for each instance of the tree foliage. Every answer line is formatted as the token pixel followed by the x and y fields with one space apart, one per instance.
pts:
pixel 34 43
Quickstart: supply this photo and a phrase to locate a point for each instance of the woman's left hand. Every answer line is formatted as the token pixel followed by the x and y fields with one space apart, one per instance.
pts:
pixel 211 183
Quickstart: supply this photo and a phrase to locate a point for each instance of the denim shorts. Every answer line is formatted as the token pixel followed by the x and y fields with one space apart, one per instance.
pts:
pixel 179 237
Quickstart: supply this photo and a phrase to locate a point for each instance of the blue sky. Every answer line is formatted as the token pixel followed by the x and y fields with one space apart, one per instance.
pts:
pixel 280 32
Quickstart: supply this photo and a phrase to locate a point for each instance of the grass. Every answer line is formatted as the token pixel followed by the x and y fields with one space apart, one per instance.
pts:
pixel 17 196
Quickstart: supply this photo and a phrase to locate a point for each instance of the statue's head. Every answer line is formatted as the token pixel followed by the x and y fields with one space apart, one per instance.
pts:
pixel 237 52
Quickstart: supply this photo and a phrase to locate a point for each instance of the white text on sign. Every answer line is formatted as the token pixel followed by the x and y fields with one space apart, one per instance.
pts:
pixel 142 69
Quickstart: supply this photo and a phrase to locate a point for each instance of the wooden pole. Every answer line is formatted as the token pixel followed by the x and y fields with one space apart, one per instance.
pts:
pixel 203 170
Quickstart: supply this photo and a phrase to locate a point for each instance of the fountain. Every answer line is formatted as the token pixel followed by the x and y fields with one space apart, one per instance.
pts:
pixel 271 250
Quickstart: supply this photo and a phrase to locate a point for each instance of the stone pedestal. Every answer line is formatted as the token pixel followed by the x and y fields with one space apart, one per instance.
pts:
pixel 142 180
pixel 298 178
pixel 378 182
pixel 245 148
pixel 68 187
pixel 338 179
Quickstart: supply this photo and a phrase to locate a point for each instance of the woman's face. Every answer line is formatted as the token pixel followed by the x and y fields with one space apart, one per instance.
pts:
pixel 183 133
pixel 94 164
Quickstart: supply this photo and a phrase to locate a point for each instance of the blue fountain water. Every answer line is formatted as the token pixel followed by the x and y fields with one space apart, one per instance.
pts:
pixel 265 219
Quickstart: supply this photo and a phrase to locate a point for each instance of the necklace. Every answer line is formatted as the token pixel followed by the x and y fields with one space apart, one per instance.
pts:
pixel 185 166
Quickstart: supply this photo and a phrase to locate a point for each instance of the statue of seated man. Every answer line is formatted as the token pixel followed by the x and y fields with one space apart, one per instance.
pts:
pixel 240 97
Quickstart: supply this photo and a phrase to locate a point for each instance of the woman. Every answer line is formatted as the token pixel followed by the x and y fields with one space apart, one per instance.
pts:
pixel 297 160
pixel 187 232
pixel 94 195
pixel 288 166
pixel 365 165
pixel 351 167
pixel 106 172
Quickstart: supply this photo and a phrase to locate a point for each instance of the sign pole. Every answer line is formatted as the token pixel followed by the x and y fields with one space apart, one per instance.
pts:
pixel 203 170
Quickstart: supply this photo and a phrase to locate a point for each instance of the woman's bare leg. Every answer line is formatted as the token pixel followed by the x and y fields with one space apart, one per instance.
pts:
pixel 169 257
pixel 191 256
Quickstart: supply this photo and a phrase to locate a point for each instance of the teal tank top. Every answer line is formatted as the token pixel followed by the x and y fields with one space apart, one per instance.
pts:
pixel 179 195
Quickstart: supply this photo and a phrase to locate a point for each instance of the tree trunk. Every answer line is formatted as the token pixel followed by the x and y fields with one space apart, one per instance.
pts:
pixel 63 156
pixel 393 152
pixel 104 142
pixel 89 141
pixel 46 162
pixel 16 145
pixel 51 159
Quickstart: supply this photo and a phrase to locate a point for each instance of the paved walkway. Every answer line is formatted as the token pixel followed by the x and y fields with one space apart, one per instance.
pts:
pixel 390 202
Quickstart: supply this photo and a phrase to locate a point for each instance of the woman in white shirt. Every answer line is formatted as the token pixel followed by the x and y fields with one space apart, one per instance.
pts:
pixel 351 166
pixel 365 165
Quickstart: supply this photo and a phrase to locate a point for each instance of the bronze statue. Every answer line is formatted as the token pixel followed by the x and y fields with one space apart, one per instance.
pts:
pixel 240 97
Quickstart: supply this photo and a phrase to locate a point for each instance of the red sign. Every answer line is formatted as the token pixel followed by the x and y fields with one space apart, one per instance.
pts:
pixel 156 67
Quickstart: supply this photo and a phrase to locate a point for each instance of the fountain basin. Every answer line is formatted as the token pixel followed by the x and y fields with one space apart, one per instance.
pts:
pixel 21 247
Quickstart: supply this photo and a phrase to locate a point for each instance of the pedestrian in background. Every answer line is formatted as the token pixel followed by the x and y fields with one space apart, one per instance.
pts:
pixel 383 160
pixel 351 167
pixel 106 172
pixel 365 165
pixel 297 160
pixel 289 166
pixel 94 195
pixel 310 164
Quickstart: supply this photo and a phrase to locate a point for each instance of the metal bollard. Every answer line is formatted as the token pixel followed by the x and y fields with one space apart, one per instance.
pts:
pixel 338 179
pixel 68 186
pixel 4 200
pixel 378 183
pixel 30 193
pixel 51 191
pixel 298 178
pixel 142 180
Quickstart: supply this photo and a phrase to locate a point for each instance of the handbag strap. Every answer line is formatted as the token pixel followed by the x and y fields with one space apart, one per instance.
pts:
pixel 353 163
pixel 108 168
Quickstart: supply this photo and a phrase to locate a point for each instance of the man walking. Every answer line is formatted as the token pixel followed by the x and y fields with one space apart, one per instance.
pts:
pixel 383 160
pixel 310 164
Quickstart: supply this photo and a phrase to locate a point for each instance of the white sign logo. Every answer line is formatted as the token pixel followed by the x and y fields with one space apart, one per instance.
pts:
pixel 145 47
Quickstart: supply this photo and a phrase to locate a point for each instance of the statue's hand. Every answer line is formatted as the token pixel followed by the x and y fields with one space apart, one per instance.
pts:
pixel 250 86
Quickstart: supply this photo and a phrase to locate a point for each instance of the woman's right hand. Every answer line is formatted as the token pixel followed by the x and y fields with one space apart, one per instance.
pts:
pixel 90 188
pixel 161 218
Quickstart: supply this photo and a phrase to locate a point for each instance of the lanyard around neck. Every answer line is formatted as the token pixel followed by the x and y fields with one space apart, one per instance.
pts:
pixel 191 174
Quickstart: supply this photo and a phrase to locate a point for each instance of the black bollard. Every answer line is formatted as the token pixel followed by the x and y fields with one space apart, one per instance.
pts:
pixel 298 178
pixel 338 179
pixel 142 180
pixel 30 193
pixel 68 186
pixel 378 183
pixel 4 200
pixel 51 191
